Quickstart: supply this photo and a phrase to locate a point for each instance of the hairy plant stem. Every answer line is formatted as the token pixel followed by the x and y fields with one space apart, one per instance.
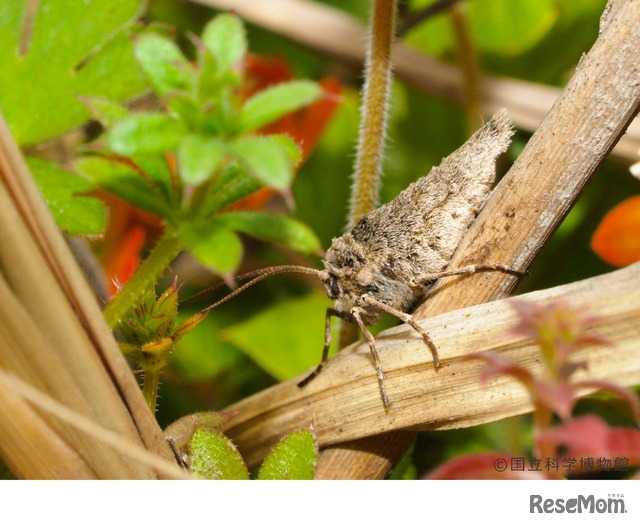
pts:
pixel 373 122
pixel 150 383
pixel 145 277
pixel 375 101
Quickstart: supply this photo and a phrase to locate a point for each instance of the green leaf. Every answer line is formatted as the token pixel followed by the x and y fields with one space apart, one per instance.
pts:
pixel 225 37
pixel 126 182
pixel 157 170
pixel 198 158
pixel 186 109
pixel 293 458
pixel 214 456
pixel 232 184
pixel 287 338
pixel 105 111
pixel 515 27
pixel 273 228
pixel 290 148
pixel 58 51
pixel 267 158
pixel 213 245
pixel 499 26
pixel 77 215
pixel 163 62
pixel 274 102
pixel 146 133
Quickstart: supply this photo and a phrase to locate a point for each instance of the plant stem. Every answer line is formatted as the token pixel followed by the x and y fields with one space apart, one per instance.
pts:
pixel 469 65
pixel 150 388
pixel 146 276
pixel 416 18
pixel 373 123
pixel 375 101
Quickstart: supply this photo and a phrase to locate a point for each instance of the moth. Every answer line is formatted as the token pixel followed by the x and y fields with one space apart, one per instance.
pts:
pixel 389 261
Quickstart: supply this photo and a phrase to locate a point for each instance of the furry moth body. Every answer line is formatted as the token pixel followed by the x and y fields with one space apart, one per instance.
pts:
pixel 392 257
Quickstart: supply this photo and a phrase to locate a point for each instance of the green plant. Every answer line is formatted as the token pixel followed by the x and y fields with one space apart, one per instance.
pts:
pixel 198 441
pixel 56 54
pixel 198 154
pixel 150 332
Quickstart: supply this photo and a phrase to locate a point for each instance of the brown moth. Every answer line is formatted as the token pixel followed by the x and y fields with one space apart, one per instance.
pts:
pixel 392 257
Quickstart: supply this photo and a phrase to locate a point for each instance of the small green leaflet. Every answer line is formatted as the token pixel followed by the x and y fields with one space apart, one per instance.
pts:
pixel 75 214
pixel 214 456
pixel 293 458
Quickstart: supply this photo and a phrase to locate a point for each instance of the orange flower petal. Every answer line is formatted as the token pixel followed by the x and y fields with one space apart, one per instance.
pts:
pixel 122 263
pixel 617 238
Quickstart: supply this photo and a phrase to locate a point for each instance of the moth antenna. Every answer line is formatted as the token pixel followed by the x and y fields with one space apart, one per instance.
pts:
pixel 261 275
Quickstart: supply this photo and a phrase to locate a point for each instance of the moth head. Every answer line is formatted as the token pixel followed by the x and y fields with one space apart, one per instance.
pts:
pixel 353 270
pixel 349 273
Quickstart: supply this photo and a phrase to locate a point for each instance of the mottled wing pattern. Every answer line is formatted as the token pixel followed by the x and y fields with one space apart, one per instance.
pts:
pixel 420 229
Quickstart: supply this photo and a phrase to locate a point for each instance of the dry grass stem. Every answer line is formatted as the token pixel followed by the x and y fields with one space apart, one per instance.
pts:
pixel 344 402
pixel 54 336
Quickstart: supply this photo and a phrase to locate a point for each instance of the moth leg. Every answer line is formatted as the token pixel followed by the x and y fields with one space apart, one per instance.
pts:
pixel 331 312
pixel 471 269
pixel 408 319
pixel 355 313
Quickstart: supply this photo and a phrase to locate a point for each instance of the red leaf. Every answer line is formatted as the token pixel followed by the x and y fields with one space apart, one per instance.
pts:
pixel 590 437
pixel 559 397
pixel 617 238
pixel 501 365
pixel 558 328
pixel 482 466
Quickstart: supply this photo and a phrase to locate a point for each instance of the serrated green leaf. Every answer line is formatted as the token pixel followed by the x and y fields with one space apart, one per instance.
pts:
pixel 296 344
pixel 77 215
pixel 126 182
pixel 214 456
pixel 293 458
pixel 232 184
pixel 289 147
pixel 158 171
pixel 267 158
pixel 146 133
pixel 274 102
pixel 208 78
pixel 198 158
pixel 187 109
pixel 225 37
pixel 163 62
pixel 67 52
pixel 105 111
pixel 213 245
pixel 273 228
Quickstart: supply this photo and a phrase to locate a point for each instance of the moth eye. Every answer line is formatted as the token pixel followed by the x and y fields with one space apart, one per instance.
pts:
pixel 373 288
pixel 334 288
pixel 429 283
pixel 350 263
